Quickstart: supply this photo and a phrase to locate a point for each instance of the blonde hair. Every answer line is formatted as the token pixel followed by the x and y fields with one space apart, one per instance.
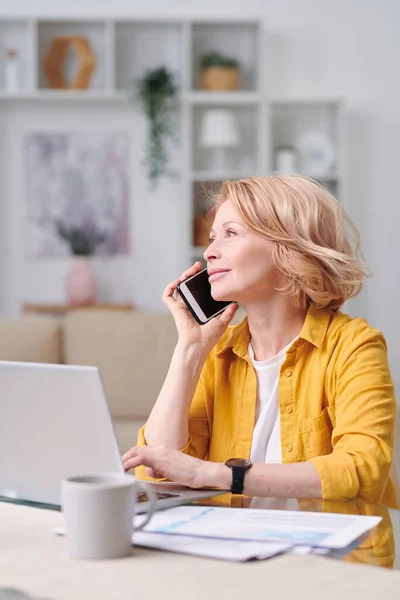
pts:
pixel 322 261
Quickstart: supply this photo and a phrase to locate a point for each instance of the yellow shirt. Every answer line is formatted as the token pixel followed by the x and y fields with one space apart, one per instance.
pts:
pixel 336 399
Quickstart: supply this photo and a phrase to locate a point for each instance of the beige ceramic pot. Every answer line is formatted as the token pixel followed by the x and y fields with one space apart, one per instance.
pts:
pixel 220 78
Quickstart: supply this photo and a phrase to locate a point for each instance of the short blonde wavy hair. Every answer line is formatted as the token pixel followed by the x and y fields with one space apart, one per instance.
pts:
pixel 315 243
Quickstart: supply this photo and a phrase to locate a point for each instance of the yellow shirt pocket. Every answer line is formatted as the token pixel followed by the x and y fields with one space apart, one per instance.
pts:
pixel 315 435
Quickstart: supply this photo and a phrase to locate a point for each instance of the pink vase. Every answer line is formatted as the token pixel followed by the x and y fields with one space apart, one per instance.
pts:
pixel 81 284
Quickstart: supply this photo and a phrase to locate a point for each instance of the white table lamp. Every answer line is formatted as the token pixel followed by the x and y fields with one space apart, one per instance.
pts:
pixel 219 130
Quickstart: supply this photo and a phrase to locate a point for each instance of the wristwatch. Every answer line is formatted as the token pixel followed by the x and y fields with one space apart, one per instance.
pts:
pixel 239 466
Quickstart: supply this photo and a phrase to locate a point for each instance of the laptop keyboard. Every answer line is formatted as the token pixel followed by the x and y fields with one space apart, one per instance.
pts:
pixel 143 497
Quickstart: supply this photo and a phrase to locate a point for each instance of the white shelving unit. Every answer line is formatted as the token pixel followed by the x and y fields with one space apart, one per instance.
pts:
pixel 243 42
pixel 125 49
pixel 291 120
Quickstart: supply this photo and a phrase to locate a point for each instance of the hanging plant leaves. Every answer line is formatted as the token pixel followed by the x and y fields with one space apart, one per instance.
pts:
pixel 156 91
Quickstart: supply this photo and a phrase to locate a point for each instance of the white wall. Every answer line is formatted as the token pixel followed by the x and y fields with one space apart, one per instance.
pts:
pixel 154 217
pixel 320 48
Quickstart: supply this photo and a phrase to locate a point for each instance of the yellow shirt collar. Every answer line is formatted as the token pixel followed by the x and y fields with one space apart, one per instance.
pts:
pixel 314 331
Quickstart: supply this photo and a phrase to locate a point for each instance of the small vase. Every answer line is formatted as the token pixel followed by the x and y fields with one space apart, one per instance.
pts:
pixel 81 284
pixel 11 71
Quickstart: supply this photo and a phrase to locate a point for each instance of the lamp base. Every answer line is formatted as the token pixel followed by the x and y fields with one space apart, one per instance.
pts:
pixel 219 159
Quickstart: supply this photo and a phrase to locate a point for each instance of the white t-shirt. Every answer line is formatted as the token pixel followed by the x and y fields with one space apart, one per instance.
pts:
pixel 266 444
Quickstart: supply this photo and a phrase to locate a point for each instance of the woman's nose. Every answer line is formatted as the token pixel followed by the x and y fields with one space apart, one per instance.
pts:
pixel 212 251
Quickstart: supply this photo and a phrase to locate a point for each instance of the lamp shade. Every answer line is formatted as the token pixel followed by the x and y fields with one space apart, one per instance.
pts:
pixel 219 129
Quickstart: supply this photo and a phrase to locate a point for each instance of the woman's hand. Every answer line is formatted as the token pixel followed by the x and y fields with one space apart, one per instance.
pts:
pixel 189 331
pixel 162 461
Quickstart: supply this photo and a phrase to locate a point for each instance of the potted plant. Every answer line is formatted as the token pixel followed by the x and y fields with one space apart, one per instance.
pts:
pixel 219 72
pixel 81 283
pixel 82 239
pixel 156 92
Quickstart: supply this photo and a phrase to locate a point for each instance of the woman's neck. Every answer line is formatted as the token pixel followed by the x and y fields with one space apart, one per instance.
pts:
pixel 273 326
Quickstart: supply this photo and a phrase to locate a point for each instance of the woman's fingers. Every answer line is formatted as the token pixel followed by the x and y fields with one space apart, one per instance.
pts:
pixel 168 294
pixel 169 298
pixel 146 456
pixel 163 462
pixel 129 454
pixel 191 271
pixel 171 287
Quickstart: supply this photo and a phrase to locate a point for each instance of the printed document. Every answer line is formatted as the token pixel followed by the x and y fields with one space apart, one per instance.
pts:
pixel 237 551
pixel 296 528
pixel 210 548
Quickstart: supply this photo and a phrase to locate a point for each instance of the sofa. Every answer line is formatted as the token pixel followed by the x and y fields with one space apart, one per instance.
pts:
pixel 131 349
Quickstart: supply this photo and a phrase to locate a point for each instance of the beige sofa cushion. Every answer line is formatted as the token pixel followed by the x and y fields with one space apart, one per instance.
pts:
pixel 126 432
pixel 132 351
pixel 31 339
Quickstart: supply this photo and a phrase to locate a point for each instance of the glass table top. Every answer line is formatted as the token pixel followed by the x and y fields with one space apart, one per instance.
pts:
pixel 379 547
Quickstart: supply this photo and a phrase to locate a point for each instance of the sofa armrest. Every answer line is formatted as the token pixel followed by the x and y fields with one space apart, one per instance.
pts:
pixel 31 339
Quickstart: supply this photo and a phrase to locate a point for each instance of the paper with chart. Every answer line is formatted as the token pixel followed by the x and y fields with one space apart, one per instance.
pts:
pixel 326 530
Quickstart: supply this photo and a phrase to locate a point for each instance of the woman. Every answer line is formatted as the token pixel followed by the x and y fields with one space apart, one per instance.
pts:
pixel 299 392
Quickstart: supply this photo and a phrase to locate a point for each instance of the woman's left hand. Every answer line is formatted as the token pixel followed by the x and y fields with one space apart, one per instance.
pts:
pixel 172 464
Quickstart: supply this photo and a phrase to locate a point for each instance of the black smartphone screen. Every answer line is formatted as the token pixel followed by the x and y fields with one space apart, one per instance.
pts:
pixel 200 288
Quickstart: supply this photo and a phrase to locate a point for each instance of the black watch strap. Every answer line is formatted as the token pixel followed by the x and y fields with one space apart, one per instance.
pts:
pixel 237 480
pixel 238 466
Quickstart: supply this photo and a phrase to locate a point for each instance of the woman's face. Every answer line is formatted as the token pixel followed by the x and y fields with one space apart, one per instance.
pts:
pixel 239 262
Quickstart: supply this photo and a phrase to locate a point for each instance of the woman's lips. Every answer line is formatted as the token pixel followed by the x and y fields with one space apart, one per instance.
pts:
pixel 217 275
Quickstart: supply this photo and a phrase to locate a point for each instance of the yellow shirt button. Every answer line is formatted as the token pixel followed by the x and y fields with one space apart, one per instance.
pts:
pixel 289 448
pixel 289 409
pixel 288 372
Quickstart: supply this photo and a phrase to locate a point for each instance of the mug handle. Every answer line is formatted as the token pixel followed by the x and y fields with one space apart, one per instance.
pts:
pixel 142 487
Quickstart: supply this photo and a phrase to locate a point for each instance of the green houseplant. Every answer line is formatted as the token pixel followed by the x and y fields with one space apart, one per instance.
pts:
pixel 217 59
pixel 156 92
pixel 219 71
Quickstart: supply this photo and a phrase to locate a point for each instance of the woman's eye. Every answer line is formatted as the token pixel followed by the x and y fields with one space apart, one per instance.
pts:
pixel 230 232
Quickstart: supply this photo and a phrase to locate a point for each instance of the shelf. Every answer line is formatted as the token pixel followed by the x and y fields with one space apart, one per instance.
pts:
pixel 74 95
pixel 305 103
pixel 218 176
pixel 330 177
pixel 237 97
pixel 198 98
pixel 209 176
pixel 60 309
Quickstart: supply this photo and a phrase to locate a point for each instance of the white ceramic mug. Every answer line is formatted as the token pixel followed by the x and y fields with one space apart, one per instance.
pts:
pixel 99 510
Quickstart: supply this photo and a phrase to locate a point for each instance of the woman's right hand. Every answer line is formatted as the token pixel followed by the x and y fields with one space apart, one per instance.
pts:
pixel 189 331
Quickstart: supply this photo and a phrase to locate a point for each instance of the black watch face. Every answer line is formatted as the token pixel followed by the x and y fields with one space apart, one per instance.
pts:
pixel 239 462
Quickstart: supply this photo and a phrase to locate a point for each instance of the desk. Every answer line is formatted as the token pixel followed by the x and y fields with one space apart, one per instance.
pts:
pixel 35 560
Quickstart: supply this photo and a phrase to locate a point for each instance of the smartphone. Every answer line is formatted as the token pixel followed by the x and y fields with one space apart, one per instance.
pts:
pixel 196 293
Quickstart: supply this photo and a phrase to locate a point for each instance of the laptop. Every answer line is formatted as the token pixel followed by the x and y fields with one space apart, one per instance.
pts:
pixel 55 423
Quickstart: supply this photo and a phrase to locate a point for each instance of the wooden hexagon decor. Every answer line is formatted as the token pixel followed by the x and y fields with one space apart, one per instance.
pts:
pixel 54 61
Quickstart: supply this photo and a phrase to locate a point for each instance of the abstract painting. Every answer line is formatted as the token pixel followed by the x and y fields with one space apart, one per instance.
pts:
pixel 78 179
